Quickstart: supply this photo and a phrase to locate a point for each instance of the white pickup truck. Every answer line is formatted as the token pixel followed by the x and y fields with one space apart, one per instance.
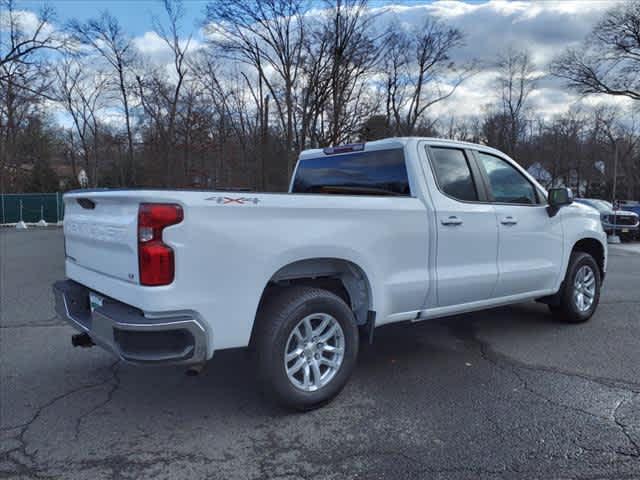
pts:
pixel 388 231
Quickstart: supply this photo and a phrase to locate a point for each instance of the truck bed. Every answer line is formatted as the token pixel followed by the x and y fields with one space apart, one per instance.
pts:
pixel 230 244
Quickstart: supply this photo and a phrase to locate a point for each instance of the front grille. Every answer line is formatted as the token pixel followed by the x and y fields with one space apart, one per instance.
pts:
pixel 625 220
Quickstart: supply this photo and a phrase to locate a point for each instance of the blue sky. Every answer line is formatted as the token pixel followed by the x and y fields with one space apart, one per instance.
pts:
pixel 136 15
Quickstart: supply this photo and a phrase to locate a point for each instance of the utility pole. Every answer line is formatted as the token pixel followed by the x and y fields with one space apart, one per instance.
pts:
pixel 4 170
pixel 613 238
pixel 615 170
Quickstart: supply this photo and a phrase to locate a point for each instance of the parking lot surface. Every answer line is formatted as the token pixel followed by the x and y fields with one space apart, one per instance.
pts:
pixel 506 393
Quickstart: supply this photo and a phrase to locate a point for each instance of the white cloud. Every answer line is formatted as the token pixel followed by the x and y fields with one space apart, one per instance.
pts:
pixel 26 20
pixel 150 43
pixel 156 53
pixel 544 28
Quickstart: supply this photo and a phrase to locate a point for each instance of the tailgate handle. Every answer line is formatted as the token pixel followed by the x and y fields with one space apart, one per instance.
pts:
pixel 86 203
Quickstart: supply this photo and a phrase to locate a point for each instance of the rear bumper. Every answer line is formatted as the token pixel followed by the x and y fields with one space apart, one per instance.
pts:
pixel 126 332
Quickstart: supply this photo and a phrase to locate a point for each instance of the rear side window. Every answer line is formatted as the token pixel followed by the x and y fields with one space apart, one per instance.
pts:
pixel 508 185
pixel 453 173
pixel 378 172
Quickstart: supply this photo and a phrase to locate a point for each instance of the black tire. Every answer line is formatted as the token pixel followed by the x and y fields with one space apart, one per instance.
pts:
pixel 277 318
pixel 567 309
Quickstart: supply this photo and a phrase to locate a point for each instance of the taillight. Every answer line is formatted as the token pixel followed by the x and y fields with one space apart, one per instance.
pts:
pixel 155 259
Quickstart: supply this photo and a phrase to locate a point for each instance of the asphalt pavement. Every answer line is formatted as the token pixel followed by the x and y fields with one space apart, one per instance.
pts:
pixel 502 394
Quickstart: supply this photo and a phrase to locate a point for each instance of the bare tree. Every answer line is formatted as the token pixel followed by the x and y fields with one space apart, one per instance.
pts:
pixel 210 75
pixel 82 94
pixel 160 97
pixel 276 77
pixel 467 129
pixel 516 79
pixel 352 57
pixel 609 60
pixel 622 139
pixel 22 90
pixel 239 110
pixel 559 151
pixel 394 63
pixel 106 37
pixel 22 44
pixel 314 91
pixel 419 72
pixel 267 35
pixel 24 81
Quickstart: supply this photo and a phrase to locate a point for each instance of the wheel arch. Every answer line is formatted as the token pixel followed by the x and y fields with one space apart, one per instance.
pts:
pixel 595 248
pixel 338 275
pixel 587 244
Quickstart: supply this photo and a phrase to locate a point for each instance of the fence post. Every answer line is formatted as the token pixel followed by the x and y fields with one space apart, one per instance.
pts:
pixel 2 196
pixel 57 208
pixel 21 225
pixel 42 222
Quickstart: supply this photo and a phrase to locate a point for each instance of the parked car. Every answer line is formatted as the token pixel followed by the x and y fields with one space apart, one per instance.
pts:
pixel 631 206
pixel 623 223
pixel 403 229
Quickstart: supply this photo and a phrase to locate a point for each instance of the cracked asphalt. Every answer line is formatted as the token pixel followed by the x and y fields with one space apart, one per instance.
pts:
pixel 506 393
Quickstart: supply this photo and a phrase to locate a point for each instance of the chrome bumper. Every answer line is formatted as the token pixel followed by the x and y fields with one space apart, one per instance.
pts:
pixel 610 227
pixel 126 332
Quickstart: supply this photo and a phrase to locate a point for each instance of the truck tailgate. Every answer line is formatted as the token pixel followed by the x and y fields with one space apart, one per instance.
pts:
pixel 101 234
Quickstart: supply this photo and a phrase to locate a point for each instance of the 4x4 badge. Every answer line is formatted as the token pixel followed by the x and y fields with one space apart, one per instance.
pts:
pixel 238 200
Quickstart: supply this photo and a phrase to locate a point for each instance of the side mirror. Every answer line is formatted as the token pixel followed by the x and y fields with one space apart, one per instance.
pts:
pixel 559 197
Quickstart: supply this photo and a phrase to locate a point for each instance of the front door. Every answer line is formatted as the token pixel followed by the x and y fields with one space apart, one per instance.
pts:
pixel 530 241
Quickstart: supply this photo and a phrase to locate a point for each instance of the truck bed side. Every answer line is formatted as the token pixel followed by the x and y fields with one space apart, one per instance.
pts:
pixel 229 245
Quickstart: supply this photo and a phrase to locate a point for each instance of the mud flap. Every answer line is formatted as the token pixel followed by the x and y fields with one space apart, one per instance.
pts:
pixel 366 330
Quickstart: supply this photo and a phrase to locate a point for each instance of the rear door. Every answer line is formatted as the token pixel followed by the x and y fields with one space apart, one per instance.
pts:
pixel 467 232
pixel 530 241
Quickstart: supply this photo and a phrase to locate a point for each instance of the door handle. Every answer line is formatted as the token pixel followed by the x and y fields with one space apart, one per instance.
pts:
pixel 509 221
pixel 452 220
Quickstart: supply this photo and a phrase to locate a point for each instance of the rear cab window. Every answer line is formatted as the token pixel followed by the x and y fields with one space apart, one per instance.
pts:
pixel 453 173
pixel 375 172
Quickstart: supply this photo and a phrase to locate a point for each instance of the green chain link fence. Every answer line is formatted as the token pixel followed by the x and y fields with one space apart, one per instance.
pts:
pixel 31 207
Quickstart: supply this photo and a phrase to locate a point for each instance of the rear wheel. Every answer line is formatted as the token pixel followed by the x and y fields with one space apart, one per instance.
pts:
pixel 307 344
pixel 580 292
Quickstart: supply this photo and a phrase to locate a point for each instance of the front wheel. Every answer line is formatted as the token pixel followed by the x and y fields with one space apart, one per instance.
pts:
pixel 580 292
pixel 307 344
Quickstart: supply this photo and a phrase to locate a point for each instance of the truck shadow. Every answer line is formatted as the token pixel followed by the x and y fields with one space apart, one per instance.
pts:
pixel 229 383
pixel 434 334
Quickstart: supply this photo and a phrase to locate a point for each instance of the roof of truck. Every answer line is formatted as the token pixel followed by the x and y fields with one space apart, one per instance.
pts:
pixel 397 142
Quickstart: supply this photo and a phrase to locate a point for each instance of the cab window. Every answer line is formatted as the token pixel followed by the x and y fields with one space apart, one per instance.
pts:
pixel 507 184
pixel 453 173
